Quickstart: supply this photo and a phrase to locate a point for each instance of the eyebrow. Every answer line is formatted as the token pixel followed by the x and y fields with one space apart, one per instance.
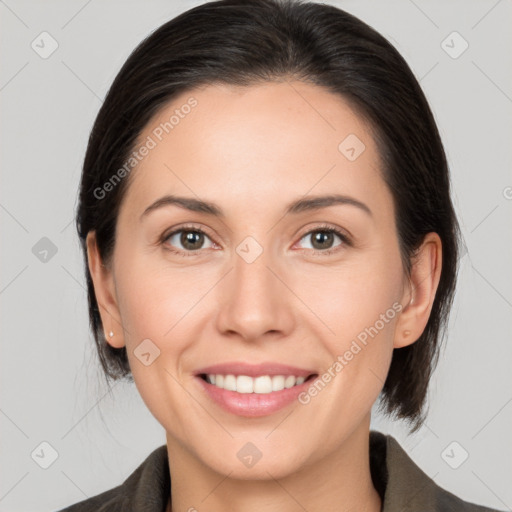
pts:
pixel 298 206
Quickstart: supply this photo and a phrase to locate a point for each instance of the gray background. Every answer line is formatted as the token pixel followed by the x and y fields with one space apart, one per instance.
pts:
pixel 51 390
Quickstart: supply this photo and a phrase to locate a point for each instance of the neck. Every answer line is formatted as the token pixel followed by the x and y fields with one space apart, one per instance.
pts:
pixel 341 482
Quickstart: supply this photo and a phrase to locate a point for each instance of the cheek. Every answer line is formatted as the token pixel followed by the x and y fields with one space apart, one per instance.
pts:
pixel 157 310
pixel 155 296
pixel 358 356
pixel 360 306
pixel 354 299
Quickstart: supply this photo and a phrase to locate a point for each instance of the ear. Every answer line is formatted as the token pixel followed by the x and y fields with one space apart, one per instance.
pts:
pixel 419 295
pixel 104 289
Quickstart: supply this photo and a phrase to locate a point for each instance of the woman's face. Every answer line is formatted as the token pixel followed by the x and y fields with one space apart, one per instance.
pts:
pixel 263 285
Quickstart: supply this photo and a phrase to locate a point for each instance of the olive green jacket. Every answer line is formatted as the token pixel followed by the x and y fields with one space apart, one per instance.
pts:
pixel 402 485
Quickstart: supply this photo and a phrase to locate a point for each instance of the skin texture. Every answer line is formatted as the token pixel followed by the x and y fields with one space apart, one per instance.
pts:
pixel 252 150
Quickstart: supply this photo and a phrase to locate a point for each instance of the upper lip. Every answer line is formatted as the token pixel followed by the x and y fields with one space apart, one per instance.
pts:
pixel 255 370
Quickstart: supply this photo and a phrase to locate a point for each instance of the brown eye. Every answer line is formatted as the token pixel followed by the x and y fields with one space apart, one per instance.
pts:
pixel 186 240
pixel 323 239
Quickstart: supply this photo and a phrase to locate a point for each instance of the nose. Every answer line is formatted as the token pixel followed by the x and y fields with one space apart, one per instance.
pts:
pixel 255 301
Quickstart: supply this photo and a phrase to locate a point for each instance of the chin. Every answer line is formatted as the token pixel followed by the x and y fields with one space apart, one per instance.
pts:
pixel 244 459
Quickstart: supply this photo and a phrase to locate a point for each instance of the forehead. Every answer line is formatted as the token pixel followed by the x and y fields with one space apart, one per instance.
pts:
pixel 258 146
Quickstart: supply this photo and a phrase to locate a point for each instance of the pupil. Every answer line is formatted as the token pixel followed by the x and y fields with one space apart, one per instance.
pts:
pixel 322 236
pixel 187 239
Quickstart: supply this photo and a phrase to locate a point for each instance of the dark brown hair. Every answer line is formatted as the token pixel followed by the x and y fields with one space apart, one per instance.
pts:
pixel 244 42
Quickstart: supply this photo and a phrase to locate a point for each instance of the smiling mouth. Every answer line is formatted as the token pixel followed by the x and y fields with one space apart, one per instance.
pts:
pixel 263 384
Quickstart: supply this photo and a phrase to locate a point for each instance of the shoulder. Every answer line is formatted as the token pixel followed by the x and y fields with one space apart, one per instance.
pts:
pixel 405 486
pixel 147 489
pixel 111 501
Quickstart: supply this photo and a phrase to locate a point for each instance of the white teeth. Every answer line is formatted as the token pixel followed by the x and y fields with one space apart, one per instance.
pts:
pixel 244 384
pixel 263 385
pixel 230 383
pixel 289 381
pixel 277 382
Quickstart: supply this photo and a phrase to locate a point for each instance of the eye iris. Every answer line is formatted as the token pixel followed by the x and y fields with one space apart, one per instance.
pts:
pixel 322 236
pixel 188 238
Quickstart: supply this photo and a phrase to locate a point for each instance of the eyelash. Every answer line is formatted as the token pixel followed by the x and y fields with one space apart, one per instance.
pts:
pixel 322 229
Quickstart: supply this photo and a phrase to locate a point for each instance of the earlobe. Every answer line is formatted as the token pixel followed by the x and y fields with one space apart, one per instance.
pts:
pixel 104 290
pixel 419 298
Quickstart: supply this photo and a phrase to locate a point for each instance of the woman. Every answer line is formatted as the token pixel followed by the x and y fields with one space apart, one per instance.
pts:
pixel 270 247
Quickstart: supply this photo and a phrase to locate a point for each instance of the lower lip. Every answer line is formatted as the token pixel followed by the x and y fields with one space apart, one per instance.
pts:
pixel 253 405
